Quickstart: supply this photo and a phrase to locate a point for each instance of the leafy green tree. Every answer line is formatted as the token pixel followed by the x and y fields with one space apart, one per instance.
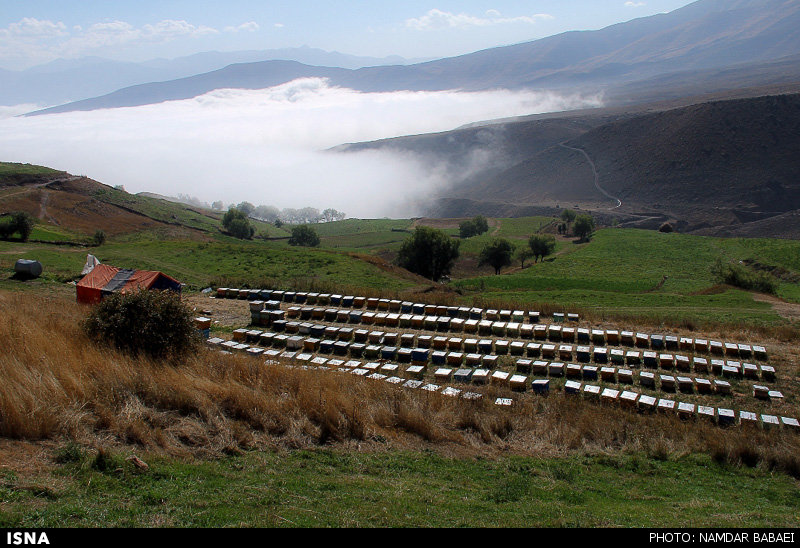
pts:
pixel 568 216
pixel 473 227
pixel 99 237
pixel 541 245
pixel 20 222
pixel 237 224
pixel 305 236
pixel 428 252
pixel 496 254
pixel 584 226
pixel 524 253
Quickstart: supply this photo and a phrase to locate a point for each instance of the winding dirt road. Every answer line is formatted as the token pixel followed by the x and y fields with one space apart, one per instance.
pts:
pixel 596 176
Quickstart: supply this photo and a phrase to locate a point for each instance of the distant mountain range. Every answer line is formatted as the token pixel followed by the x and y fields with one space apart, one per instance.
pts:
pixel 726 167
pixel 706 36
pixel 62 81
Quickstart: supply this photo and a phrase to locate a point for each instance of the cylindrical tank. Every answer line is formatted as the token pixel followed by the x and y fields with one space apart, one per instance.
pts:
pixel 28 267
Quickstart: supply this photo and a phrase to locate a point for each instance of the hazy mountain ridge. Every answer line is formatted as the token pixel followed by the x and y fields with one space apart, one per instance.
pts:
pixel 708 34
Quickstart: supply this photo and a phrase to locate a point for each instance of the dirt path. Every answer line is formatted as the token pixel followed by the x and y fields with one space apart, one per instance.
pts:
pixel 790 311
pixel 596 176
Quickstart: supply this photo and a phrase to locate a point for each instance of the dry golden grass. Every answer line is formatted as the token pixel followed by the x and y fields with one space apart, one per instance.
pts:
pixel 59 385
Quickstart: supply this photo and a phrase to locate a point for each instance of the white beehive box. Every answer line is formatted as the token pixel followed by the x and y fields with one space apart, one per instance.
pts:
pixel 518 382
pixel 480 376
pixel 706 412
pixel 628 398
pixel 647 403
pixel 591 391
pixel 609 395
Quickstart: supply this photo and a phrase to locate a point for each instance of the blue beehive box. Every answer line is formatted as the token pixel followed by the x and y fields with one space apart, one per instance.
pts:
pixel 347 301
pixel 590 372
pixel 336 300
pixel 404 355
pixel 288 297
pixel 388 352
pixel 439 358
pixel 657 342
pixel 355 316
pixel 419 355
pixel 418 309
pixel 540 386
pixel 406 307
pixel 462 375
pixel 485 346
pixel 326 346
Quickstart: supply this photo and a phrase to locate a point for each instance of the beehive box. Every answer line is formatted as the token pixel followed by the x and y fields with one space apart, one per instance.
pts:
pixel 403 354
pixel 628 398
pixel 554 332
pixel 463 375
pixel 700 365
pixel 414 372
pixel 390 368
pixel 726 417
pixel 518 383
pixel 471 326
pixel 490 361
pixel 540 332
pixel 255 351
pixel 704 386
pixel 565 352
pixel 451 392
pixel 455 358
pixel 414 384
pixel 533 316
pixel 492 314
pixel 319 361
pixel 650 359
pixel 480 376
pixel 572 387
pixel 443 374
pixel 667 383
pixel 439 357
pixel 591 391
pixel 583 354
pixel 555 369
pixel 573 317
pixel 345 334
pixel 540 386
pixel 526 331
pixel 501 347
pixel 589 372
pixel 608 374
pixel 539 367
pixel 642 340
pixel 760 352
pixel 627 338
pixel 657 342
pixel 341 348
pixel 648 379
pixel 731 370
pixel 598 336
pixel 533 350
pixel 625 376
pixel 485 327
pixel 768 373
pixel 558 316
pixel 790 423
pixel 549 351
pixel 240 335
pixel 266 338
pixel 500 378
pixel 750 370
pixel 748 418
pixel 769 421
pixel 573 371
pixel 353 364
pixel 686 385
pixel 600 354
pixel 722 387
pixel 633 357
pixel 568 334
pixel 584 335
pixel 202 323
pixel 716 366
pixel 686 410
pixel 609 395
pixel 682 363
pixel 706 412
pixel 666 406
pixel 512 329
pixel 473 359
pixel 372 351
pixel 617 356
pixel 666 361
pixel 523 365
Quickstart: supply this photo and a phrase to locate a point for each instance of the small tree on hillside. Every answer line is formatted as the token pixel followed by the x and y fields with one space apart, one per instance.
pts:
pixel 496 254
pixel 237 224
pixel 568 216
pixel 304 236
pixel 473 227
pixel 524 253
pixel 99 237
pixel 19 222
pixel 541 245
pixel 428 252
pixel 584 226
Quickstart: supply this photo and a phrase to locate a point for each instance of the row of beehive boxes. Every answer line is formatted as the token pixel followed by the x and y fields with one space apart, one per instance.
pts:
pixel 723 416
pixel 552 332
pixel 409 343
pixel 413 377
pixel 394 305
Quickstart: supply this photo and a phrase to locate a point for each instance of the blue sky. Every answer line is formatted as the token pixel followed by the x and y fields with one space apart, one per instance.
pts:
pixel 38 31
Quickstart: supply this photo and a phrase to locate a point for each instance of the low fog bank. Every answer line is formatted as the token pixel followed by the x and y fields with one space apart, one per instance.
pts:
pixel 266 146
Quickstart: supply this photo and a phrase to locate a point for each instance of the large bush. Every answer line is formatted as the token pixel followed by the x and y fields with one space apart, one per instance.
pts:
pixel 428 252
pixel 305 236
pixel 473 227
pixel 237 224
pixel 19 222
pixel 154 323
pixel 739 276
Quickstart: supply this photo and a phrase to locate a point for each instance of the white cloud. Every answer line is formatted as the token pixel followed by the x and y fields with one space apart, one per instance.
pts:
pixel 437 19
pixel 250 26
pixel 264 145
pixel 634 4
pixel 35 41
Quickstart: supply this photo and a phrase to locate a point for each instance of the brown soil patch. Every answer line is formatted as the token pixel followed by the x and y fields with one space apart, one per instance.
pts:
pixel 223 312
pixel 790 311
